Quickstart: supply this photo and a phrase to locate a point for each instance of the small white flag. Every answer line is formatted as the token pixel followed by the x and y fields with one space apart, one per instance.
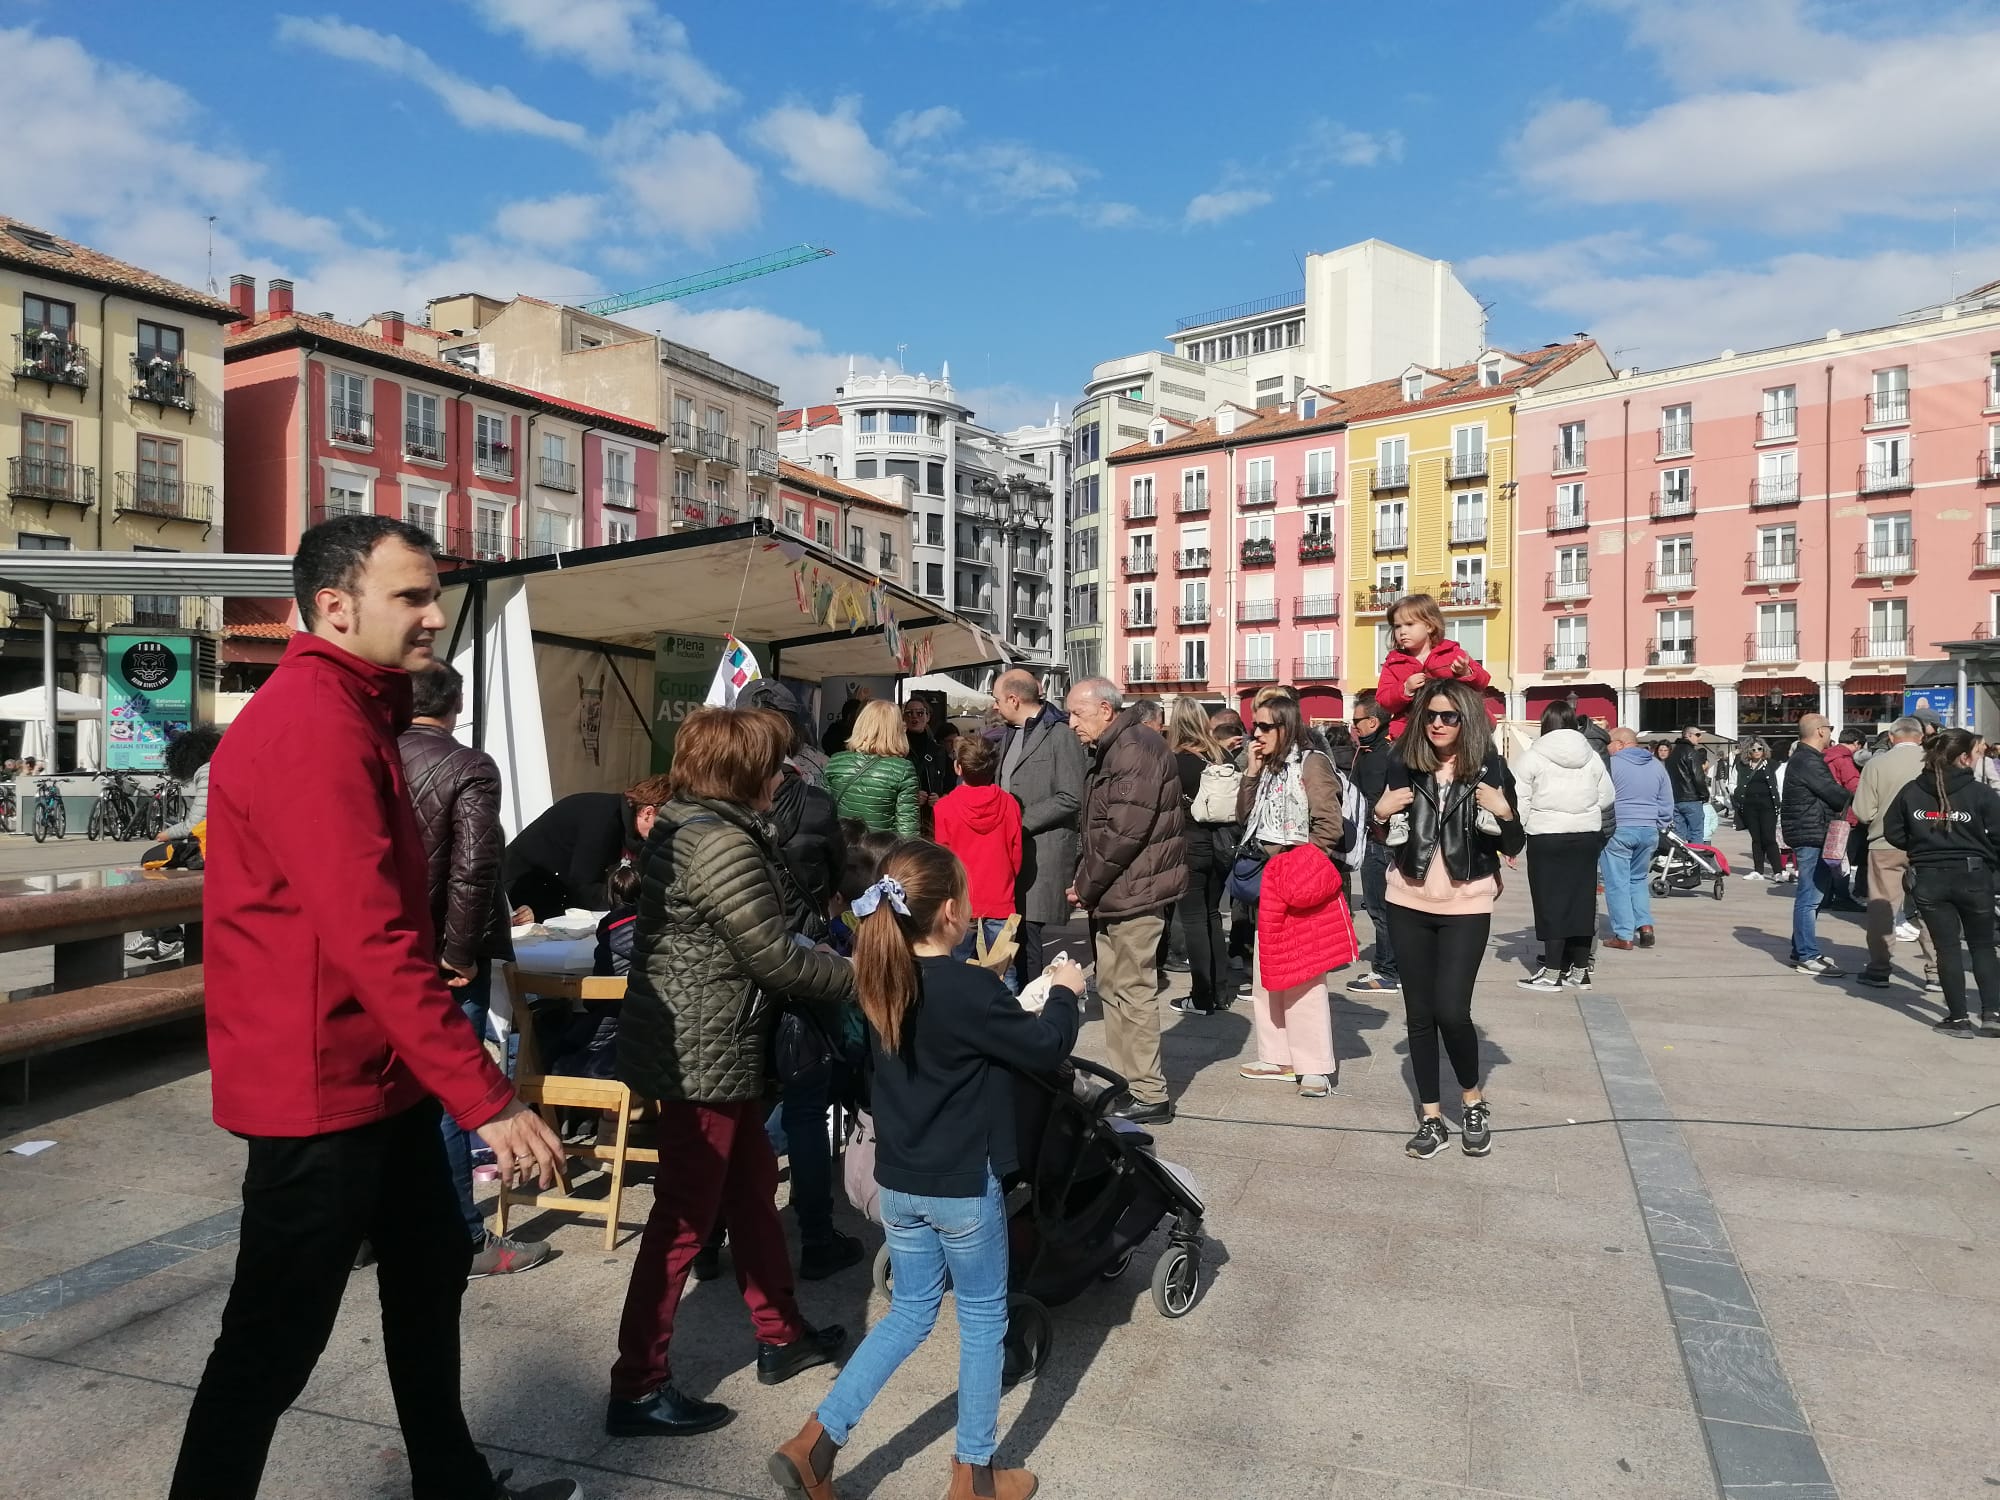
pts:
pixel 736 671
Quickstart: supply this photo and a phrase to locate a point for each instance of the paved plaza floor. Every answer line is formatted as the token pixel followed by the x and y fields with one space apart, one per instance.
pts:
pixel 1593 1310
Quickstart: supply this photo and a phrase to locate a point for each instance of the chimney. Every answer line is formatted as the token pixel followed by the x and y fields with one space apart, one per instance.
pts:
pixel 243 297
pixel 279 298
pixel 392 326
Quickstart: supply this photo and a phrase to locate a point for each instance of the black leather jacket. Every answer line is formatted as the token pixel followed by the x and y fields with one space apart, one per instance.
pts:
pixel 455 791
pixel 1442 819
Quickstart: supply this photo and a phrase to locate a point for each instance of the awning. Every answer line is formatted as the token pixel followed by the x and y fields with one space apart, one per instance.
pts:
pixel 1874 682
pixel 1686 689
pixel 1790 687
pixel 227 575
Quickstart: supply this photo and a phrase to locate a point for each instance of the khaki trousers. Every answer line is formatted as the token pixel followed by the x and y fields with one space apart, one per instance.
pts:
pixel 1888 870
pixel 1128 984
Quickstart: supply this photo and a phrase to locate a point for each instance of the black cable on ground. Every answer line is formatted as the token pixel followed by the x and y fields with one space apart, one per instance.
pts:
pixel 1625 1120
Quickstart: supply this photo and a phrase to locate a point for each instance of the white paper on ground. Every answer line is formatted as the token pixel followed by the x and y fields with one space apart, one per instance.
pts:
pixel 29 1148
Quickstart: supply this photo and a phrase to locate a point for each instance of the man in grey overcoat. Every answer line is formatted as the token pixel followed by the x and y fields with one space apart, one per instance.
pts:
pixel 1043 765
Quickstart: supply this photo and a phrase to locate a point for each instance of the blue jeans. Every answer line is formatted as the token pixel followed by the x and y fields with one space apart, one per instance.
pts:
pixel 967 947
pixel 928 1237
pixel 1626 865
pixel 1691 821
pixel 473 1000
pixel 1815 880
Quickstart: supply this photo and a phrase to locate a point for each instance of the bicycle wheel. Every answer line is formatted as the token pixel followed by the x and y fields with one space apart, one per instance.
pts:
pixel 176 808
pixel 42 823
pixel 155 817
pixel 94 828
pixel 59 817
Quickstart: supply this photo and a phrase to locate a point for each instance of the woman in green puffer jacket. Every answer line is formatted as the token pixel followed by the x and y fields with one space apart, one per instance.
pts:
pixel 872 779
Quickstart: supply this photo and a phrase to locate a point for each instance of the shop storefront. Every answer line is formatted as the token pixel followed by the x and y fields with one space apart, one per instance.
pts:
pixel 1772 706
pixel 1873 699
pixel 1595 699
pixel 1668 707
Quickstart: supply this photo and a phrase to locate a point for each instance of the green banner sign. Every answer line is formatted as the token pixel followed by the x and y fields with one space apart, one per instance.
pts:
pixel 149 697
pixel 683 671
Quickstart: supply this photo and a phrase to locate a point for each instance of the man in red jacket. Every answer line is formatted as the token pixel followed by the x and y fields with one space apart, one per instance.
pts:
pixel 332 1037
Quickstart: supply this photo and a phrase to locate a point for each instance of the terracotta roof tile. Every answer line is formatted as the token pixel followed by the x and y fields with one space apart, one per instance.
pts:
pixel 798 474
pixel 69 261
pixel 815 416
pixel 262 630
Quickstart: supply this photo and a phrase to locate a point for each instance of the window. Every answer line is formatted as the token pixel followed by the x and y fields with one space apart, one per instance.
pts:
pixel 1489 372
pixel 1776 559
pixel 1468 452
pixel 933 479
pixel 934 580
pixel 1383 644
pixel 346 494
pixel 823 531
pixel 794 519
pixel 1777 478
pixel 684 420
pixel 1468 516
pixel 1194 489
pixel 903 421
pixel 1141 605
pixel 684 484
pixel 1570 446
pixel 1142 549
pixel 934 530
pixel 1676 430
pixel 1391 579
pixel 159 341
pixel 1318 648
pixel 159 474
pixel 1140 657
pixel 1676 497
pixel 1392 525
pixel 45 313
pixel 1569 504
pixel 900 468
pixel 868 419
pixel 1781 413
pixel 619 529
pixel 715 421
pixel 1194 601
pixel 1194 539
pixel 423 506
pixel 864 468
pixel 758 438
pixel 1673 635
pixel 857 543
pixel 552 533
pixel 1777 634
pixel 1260 528
pixel 1319 472
pixel 1085 444
pixel 1469 568
pixel 491 528
pixel 1260 485
pixel 1413 387
pixel 1470 632
pixel 1888 627
pixel 45 470
pixel 555 447
pixel 347 407
pixel 885 551
pixel 1889 401
pixel 1083 548
pixel 1256 341
pixel 490 452
pixel 1194 659
pixel 1083 495
pixel 423 436
pixel 1673 564
pixel 1889 544
pixel 1571 648
pixel 1142 497
pixel 1572 575
pixel 1392 462
pixel 1888 466
pixel 1308 407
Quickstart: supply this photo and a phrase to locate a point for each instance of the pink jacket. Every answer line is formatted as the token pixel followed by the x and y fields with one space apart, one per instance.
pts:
pixel 1303 929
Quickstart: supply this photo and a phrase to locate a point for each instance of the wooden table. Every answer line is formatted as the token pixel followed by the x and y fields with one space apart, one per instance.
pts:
pixel 573 987
pixel 85 916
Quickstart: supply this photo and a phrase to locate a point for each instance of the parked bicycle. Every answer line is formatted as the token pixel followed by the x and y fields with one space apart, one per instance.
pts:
pixel 7 807
pixel 50 815
pixel 165 806
pixel 119 813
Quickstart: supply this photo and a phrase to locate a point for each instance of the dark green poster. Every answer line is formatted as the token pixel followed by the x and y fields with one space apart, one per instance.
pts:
pixel 149 697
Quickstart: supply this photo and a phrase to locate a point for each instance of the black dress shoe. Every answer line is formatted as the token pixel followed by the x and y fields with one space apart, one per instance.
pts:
pixel 819 1261
pixel 665 1413
pixel 1177 966
pixel 1146 1114
pixel 777 1363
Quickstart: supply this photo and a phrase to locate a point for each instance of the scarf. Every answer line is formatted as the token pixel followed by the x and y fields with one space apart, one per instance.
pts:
pixel 1280 815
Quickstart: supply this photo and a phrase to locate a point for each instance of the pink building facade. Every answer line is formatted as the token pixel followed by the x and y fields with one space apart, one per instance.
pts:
pixel 868 530
pixel 1737 542
pixel 1224 548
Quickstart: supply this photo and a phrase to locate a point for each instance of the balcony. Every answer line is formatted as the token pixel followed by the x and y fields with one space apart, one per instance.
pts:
pixel 1136 619
pixel 1885 479
pixel 1778 424
pixel 1139 564
pixel 1885 560
pixel 1315 487
pixel 1257 671
pixel 422 440
pixel 1377 599
pixel 495 460
pixel 684 437
pixel 53 358
pixel 1466 465
pixel 889 563
pixel 1871 644
pixel 1259 552
pixel 725 515
pixel 1569 458
pixel 1673 653
pixel 1192 502
pixel 764 461
pixel 1468 531
pixel 1390 477
pixel 51 480
pixel 169 499
pixel 1141 508
pixel 721 449
pixel 1568 518
pixel 1316 546
pixel 158 612
pixel 1146 674
pixel 1256 496
pixel 1467 593
pixel 555 474
pixel 1774 489
pixel 480 544
pixel 1670 578
pixel 1574 584
pixel 1033 609
pixel 1566 659
pixel 1315 669
pixel 162 381
pixel 547 546
pixel 1316 607
pixel 1190 614
pixel 1888 407
pixel 1986 468
pixel 1392 538
pixel 623 494
pixel 1775 566
pixel 1780 646
pixel 1030 562
pixel 1986 550
pixel 67 608
pixel 1256 611
pixel 349 425
pixel 1676 439
pixel 1667 505
pixel 1191 560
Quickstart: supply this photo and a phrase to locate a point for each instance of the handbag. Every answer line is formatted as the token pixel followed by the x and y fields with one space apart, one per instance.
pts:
pixel 1214 800
pixel 996 955
pixel 1246 874
pixel 1833 848
pixel 799 1045
pixel 857 1166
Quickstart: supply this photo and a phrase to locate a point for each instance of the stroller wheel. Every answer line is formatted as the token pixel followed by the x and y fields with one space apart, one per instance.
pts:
pixel 1717 892
pixel 1659 885
pixel 1031 1332
pixel 1177 1281
pixel 1118 1267
pixel 882 1275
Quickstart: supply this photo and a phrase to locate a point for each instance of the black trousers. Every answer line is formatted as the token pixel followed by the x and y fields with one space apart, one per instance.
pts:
pixel 1761 823
pixel 308 1202
pixel 1959 902
pixel 1199 916
pixel 1375 897
pixel 1440 958
pixel 1029 957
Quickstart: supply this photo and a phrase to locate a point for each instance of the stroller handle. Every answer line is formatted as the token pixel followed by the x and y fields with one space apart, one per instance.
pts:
pixel 1098 1071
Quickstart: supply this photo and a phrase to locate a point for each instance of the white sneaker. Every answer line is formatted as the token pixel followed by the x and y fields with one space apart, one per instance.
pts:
pixel 1541 979
pixel 1752 875
pixel 1906 932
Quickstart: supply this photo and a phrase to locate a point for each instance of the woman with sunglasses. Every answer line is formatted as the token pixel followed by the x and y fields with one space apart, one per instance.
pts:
pixel 1290 797
pixel 1442 883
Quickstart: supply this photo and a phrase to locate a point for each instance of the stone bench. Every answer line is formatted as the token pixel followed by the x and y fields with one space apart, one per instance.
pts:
pixel 48 1023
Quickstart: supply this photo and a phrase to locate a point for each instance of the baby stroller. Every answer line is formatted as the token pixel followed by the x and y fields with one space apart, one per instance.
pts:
pixel 1090 1191
pixel 1681 866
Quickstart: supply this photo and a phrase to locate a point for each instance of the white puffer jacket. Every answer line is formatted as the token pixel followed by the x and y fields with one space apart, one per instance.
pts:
pixel 1563 785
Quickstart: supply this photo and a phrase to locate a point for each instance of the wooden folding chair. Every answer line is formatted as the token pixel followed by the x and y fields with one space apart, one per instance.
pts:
pixel 549 1092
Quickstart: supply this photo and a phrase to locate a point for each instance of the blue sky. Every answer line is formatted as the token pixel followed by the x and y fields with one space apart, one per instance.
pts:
pixel 1024 188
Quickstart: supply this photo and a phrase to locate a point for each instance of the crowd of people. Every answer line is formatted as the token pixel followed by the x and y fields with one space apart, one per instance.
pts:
pixel 855 923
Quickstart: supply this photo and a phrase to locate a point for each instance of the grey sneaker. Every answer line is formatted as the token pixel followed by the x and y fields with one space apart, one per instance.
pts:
pixel 1374 984
pixel 503 1257
pixel 1577 978
pixel 1432 1137
pixel 1475 1133
pixel 1821 967
pixel 1541 979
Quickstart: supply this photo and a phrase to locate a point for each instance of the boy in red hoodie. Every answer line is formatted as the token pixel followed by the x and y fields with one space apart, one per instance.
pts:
pixel 1423 654
pixel 982 825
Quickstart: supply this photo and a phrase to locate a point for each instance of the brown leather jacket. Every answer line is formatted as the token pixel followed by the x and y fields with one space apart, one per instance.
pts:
pixel 456 792
pixel 1134 824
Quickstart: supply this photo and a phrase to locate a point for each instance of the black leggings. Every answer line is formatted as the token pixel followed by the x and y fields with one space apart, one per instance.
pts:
pixel 1439 959
pixel 1200 914
pixel 1955 901
pixel 1761 823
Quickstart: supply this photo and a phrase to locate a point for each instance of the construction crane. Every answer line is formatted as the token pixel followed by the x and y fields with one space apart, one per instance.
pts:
pixel 705 281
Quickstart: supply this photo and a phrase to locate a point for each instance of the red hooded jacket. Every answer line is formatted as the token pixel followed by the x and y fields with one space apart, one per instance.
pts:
pixel 1303 929
pixel 325 1006
pixel 1399 666
pixel 982 826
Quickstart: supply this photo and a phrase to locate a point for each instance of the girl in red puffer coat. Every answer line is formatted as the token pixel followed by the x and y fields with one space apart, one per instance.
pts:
pixel 1423 655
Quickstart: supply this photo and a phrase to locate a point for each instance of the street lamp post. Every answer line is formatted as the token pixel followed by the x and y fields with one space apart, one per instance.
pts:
pixel 1015 506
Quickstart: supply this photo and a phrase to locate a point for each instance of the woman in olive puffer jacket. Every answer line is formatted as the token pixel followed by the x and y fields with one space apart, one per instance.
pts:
pixel 872 779
pixel 712 953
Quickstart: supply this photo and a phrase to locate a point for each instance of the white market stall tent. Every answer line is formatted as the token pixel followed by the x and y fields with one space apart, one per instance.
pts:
pixel 29 708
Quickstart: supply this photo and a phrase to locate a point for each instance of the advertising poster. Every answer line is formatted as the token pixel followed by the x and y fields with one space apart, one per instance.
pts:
pixel 683 668
pixel 150 698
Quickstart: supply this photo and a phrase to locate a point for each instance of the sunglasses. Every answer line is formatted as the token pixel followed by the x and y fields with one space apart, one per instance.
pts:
pixel 1264 726
pixel 1449 717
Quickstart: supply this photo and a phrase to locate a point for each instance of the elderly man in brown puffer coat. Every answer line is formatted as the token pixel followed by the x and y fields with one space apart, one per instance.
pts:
pixel 1133 870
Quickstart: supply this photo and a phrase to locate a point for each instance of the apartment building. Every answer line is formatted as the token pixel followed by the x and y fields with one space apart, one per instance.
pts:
pixel 720 422
pixel 111 433
pixel 870 527
pixel 335 419
pixel 1738 541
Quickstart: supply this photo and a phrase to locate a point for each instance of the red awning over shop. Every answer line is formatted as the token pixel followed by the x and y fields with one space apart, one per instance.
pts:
pixel 1875 682
pixel 1675 690
pixel 1320 703
pixel 1600 702
pixel 1788 686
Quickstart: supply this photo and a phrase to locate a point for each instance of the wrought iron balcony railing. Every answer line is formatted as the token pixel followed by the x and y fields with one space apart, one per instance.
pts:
pixel 170 499
pixel 51 479
pixel 1774 489
pixel 52 357
pixel 1316 607
pixel 162 381
pixel 556 474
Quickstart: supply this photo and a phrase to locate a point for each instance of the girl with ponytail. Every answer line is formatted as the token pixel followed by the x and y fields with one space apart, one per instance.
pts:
pixel 944 1034
pixel 1950 825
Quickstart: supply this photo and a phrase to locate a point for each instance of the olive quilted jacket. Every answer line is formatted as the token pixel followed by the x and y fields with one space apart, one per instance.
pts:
pixel 880 790
pixel 712 959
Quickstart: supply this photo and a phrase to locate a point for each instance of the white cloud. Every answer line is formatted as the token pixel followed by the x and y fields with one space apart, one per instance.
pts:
pixel 1226 203
pixel 612 38
pixel 475 106
pixel 831 152
pixel 915 125
pixel 551 223
pixel 1324 142
pixel 689 184
pixel 766 344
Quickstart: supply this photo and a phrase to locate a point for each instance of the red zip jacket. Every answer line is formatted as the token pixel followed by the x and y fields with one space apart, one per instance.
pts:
pixel 982 826
pixel 1398 667
pixel 1303 929
pixel 325 1006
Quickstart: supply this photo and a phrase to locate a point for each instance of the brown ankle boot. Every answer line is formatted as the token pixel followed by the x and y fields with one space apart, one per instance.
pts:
pixel 984 1482
pixel 805 1464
